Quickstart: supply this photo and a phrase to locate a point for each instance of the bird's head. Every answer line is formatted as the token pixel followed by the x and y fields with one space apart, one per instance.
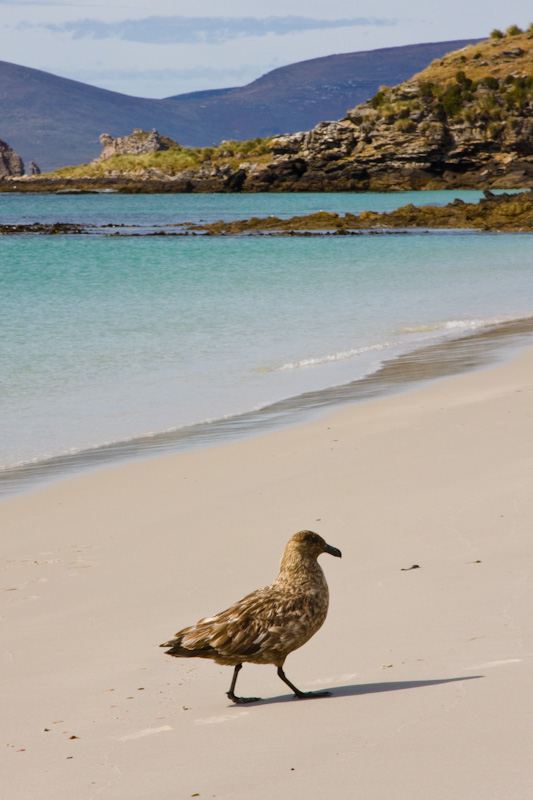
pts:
pixel 307 545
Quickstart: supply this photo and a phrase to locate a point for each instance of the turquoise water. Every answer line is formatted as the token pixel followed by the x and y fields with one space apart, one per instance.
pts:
pixel 107 339
pixel 174 208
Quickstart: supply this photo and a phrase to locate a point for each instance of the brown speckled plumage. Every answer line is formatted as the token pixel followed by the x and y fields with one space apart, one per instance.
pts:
pixel 268 624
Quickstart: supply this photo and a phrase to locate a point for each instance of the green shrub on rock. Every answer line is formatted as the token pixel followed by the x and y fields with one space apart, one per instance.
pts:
pixel 491 83
pixel 378 100
pixel 406 125
pixel 451 100
pixel 428 90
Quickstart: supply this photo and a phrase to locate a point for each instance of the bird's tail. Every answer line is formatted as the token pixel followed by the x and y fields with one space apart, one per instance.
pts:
pixel 178 649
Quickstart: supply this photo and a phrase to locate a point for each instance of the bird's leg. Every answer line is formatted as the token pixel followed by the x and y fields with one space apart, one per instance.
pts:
pixel 300 695
pixel 231 694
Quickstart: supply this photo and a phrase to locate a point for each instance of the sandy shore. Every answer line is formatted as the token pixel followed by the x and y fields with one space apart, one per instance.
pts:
pixel 430 668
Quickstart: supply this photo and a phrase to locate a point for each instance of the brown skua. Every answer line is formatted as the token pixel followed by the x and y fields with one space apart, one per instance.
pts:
pixel 268 624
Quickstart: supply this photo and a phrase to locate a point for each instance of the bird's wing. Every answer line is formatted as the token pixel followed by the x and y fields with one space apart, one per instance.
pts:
pixel 253 624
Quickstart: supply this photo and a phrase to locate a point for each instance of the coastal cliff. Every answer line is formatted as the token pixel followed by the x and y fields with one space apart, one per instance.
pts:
pixel 465 121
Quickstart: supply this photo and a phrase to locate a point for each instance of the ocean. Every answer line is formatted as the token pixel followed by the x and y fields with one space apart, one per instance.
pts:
pixel 123 346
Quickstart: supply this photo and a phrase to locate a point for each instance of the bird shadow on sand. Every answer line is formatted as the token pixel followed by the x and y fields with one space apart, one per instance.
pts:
pixel 354 689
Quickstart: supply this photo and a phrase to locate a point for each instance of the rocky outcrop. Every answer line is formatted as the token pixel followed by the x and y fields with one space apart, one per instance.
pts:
pixel 136 143
pixel 466 121
pixel 504 212
pixel 410 145
pixel 11 164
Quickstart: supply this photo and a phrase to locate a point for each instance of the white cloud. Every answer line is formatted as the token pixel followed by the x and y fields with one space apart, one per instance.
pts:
pixel 235 40
pixel 198 30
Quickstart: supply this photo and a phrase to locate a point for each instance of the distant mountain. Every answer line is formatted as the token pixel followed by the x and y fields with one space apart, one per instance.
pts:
pixel 55 121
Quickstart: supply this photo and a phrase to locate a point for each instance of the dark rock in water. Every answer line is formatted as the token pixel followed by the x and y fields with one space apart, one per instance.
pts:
pixel 505 212
pixel 11 164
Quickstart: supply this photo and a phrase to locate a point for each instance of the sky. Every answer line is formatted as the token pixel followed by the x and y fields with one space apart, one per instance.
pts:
pixel 159 48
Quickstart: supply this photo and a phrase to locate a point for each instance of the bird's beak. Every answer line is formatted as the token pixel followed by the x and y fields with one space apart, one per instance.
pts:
pixel 333 551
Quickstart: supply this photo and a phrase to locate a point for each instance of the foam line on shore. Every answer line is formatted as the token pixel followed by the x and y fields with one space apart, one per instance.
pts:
pixel 430 362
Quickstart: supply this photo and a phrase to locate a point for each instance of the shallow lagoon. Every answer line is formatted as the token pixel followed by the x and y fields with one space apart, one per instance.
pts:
pixel 106 340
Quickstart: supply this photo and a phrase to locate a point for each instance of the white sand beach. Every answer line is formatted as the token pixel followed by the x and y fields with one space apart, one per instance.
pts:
pixel 430 668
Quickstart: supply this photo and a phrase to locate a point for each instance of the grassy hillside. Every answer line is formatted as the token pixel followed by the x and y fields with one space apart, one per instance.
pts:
pixel 175 160
pixel 487 86
pixel 495 57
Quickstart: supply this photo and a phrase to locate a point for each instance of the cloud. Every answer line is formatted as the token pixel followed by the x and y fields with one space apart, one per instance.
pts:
pixel 199 30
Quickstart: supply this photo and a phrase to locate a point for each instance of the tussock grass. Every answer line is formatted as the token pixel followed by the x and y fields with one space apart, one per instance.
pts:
pixel 175 160
pixel 486 82
pixel 487 58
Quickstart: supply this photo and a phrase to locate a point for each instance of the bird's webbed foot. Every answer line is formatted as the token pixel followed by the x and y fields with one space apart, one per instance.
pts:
pixel 231 694
pixel 241 700
pixel 299 695
pixel 308 695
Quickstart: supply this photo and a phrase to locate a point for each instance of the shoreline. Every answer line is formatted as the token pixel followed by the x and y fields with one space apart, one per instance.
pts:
pixel 101 568
pixel 131 184
pixel 406 372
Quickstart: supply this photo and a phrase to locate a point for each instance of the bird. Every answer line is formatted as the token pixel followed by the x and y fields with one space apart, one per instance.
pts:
pixel 268 624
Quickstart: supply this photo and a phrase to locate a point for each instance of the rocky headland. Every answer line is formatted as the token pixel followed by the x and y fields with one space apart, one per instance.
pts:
pixel 466 121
